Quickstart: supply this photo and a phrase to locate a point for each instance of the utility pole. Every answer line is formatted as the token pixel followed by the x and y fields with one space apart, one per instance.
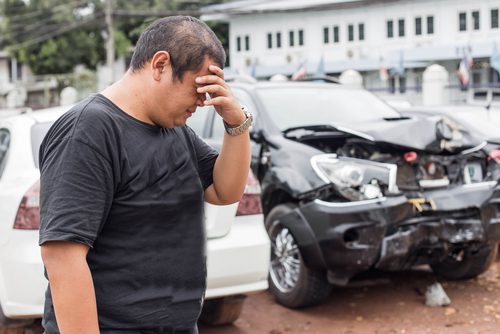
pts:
pixel 110 43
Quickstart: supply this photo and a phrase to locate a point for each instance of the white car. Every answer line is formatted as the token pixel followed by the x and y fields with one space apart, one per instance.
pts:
pixel 238 247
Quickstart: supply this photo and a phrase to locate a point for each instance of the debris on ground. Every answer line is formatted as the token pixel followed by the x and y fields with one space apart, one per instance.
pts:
pixel 450 311
pixel 492 310
pixel 436 296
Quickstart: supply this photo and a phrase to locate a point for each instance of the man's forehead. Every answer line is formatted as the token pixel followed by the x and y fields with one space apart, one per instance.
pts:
pixel 204 69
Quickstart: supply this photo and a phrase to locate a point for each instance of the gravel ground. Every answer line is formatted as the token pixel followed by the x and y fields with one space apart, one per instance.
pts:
pixel 388 303
pixel 391 303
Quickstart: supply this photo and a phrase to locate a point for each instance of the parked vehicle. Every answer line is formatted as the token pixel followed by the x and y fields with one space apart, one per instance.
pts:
pixel 237 248
pixel 349 184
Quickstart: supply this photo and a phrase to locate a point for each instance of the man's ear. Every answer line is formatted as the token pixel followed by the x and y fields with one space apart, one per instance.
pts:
pixel 160 65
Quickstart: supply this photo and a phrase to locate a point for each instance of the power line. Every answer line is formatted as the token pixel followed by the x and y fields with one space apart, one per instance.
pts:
pixel 55 33
pixel 20 29
pixel 40 28
pixel 43 11
pixel 156 13
pixel 40 31
pixel 47 32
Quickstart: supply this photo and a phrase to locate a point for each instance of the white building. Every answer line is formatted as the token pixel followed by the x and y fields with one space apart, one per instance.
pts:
pixel 378 37
pixel 20 88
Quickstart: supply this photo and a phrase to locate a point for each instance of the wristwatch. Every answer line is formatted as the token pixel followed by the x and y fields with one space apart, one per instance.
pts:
pixel 239 129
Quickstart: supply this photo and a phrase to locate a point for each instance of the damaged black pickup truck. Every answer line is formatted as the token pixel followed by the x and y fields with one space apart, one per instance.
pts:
pixel 349 184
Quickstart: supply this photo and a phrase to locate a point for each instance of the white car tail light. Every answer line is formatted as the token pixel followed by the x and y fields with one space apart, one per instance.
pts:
pixel 250 203
pixel 28 214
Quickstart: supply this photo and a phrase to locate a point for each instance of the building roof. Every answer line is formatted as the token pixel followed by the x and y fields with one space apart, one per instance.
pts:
pixel 242 7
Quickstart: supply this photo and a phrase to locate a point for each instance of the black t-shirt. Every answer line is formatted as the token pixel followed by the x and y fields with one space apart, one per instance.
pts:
pixel 133 192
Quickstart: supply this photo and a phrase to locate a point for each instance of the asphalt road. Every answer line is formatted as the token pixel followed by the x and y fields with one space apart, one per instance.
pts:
pixel 391 303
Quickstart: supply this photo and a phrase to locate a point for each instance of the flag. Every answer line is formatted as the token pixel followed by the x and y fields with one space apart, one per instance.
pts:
pixel 469 61
pixel 301 72
pixel 320 71
pixel 465 66
pixel 383 73
pixel 463 73
pixel 495 59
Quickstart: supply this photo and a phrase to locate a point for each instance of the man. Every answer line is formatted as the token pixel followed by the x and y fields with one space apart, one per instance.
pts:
pixel 122 188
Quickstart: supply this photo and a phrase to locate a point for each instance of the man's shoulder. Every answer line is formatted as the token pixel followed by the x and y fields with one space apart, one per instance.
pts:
pixel 89 112
pixel 94 112
pixel 90 121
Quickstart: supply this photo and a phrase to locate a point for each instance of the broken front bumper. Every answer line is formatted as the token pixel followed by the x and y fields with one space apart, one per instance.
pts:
pixel 387 233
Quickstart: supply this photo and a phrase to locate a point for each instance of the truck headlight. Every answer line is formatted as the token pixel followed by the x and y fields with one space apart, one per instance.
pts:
pixel 364 176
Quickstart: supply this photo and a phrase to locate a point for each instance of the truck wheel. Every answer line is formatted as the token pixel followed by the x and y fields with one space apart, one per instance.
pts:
pixel 222 311
pixel 466 263
pixel 290 281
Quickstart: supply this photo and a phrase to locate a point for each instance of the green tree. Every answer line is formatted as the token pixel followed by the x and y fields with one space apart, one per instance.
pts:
pixel 53 36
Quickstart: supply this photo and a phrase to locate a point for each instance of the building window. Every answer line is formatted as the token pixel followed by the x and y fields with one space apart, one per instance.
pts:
pixel 462 22
pixel 247 43
pixel 361 31
pixel 336 35
pixel 301 37
pixel 475 20
pixel 326 33
pixel 291 38
pixel 238 43
pixel 401 27
pixel 430 25
pixel 494 18
pixel 418 26
pixel 269 41
pixel 350 33
pixel 15 70
pixel 278 40
pixel 390 29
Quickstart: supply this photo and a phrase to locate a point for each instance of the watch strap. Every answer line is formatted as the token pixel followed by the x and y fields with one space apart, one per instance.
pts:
pixel 239 129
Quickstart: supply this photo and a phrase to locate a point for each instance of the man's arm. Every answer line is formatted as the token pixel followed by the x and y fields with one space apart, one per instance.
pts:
pixel 71 286
pixel 233 163
pixel 230 170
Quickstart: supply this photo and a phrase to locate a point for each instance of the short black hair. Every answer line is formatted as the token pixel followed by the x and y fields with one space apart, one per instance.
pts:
pixel 187 40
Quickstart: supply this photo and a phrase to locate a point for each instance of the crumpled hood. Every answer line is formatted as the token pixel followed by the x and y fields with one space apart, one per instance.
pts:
pixel 428 133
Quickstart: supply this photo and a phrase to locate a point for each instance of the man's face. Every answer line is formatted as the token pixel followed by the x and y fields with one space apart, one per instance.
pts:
pixel 182 98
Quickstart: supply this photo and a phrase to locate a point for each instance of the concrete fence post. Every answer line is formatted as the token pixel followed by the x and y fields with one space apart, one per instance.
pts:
pixel 435 79
pixel 69 95
pixel 351 78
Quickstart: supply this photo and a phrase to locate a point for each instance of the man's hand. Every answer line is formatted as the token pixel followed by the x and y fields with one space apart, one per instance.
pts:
pixel 221 96
pixel 233 164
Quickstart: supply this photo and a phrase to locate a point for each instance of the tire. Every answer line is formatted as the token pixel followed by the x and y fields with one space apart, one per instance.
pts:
pixel 222 311
pixel 290 281
pixel 466 263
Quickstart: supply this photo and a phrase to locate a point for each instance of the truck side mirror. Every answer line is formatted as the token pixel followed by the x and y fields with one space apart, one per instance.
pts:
pixel 256 136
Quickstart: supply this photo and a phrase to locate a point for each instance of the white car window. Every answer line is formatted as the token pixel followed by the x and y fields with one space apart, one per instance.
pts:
pixel 198 119
pixel 299 106
pixel 244 99
pixel 38 132
pixel 4 148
